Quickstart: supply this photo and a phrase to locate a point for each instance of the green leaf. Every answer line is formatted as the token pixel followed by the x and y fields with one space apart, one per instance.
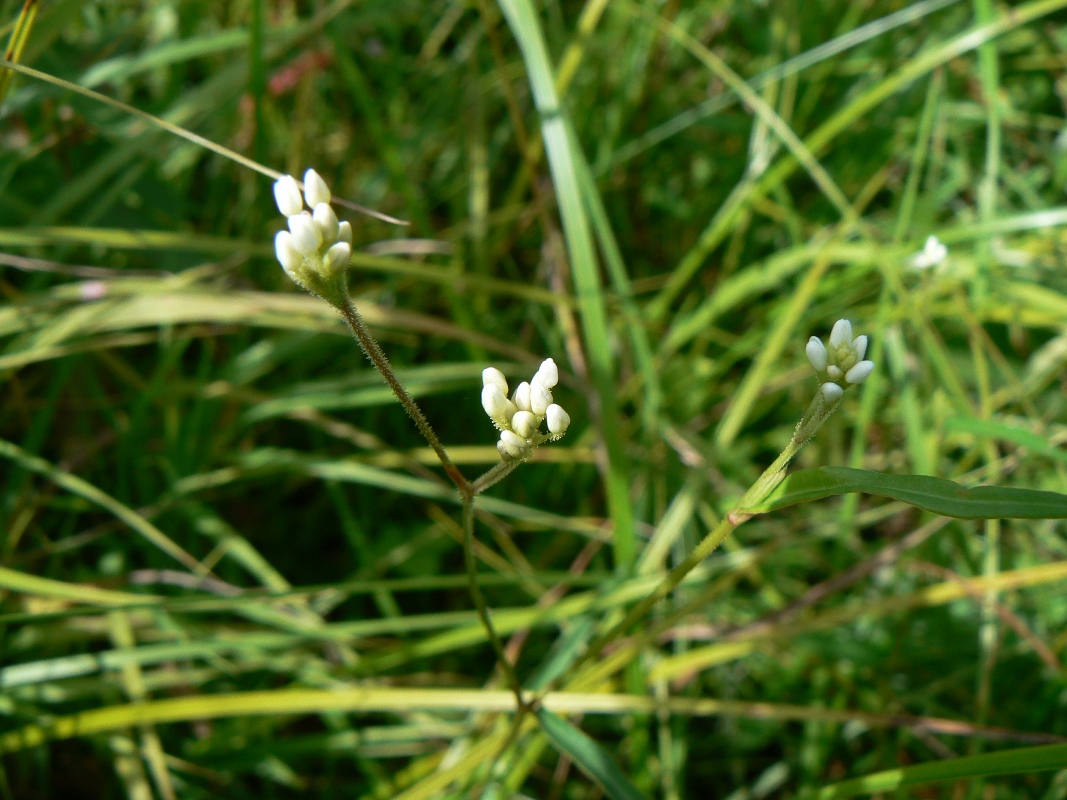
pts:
pixel 1023 760
pixel 1007 433
pixel 933 494
pixel 593 759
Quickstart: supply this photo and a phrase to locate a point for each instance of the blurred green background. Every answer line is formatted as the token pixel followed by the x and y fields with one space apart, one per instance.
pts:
pixel 206 490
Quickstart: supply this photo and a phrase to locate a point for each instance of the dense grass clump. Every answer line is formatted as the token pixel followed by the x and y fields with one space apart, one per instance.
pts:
pixel 230 566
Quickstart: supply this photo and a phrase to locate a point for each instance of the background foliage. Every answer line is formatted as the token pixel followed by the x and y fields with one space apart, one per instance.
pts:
pixel 207 492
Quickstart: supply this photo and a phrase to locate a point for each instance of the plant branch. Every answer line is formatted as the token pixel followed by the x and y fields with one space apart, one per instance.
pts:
pixel 381 363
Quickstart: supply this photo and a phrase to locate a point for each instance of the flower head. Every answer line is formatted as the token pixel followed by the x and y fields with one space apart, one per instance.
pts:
pixel 317 248
pixel 519 417
pixel 839 363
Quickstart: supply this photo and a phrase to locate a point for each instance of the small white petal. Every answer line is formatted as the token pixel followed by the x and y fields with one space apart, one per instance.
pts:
pixel 524 423
pixel 315 189
pixel 832 392
pixel 834 372
pixel 344 232
pixel 493 376
pixel 494 402
pixel 337 257
pixel 306 234
pixel 547 373
pixel 816 351
pixel 540 399
pixel 327 222
pixel 841 334
pixel 859 345
pixel 860 372
pixel 288 256
pixel 558 420
pixel 287 195
pixel 521 397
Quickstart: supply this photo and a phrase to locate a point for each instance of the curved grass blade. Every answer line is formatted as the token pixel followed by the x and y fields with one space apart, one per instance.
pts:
pixel 932 494
pixel 1024 760
pixel 590 756
pixel 1006 433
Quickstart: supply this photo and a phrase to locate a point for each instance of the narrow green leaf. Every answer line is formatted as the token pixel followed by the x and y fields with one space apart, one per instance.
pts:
pixel 933 494
pixel 1023 760
pixel 1007 433
pixel 593 759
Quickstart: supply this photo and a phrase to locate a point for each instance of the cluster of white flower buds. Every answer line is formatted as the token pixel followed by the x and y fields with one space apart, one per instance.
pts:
pixel 519 418
pixel 841 364
pixel 316 247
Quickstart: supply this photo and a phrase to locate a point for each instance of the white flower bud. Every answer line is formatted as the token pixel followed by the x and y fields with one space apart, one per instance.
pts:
pixel 547 374
pixel 503 450
pixel 841 334
pixel 860 372
pixel 306 234
pixel 521 397
pixel 337 257
pixel 524 423
pixel 834 372
pixel 558 420
pixel 832 392
pixel 495 404
pixel 491 375
pixel 540 399
pixel 859 346
pixel 287 195
pixel 816 351
pixel 288 255
pixel 315 189
pixel 327 222
pixel 344 232
pixel 514 444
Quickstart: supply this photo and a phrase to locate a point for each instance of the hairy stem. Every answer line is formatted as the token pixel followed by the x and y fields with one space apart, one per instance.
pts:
pixel 479 601
pixel 381 363
pixel 493 476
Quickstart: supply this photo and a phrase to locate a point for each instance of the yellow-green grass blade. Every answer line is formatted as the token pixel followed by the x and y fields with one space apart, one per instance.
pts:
pixel 522 18
pixel 1023 761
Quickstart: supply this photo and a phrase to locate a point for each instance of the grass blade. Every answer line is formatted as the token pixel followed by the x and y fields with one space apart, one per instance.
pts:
pixel 593 759
pixel 1024 760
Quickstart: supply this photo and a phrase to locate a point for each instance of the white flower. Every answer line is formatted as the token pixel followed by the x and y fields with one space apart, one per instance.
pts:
pixel 524 423
pixel 315 189
pixel 337 257
pixel 521 398
pixel 288 255
pixel 841 363
pixel 491 375
pixel 327 222
pixel 519 418
pixel 816 351
pixel 832 392
pixel 344 234
pixel 860 372
pixel 287 196
pixel 932 254
pixel 558 420
pixel 306 234
pixel 317 248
